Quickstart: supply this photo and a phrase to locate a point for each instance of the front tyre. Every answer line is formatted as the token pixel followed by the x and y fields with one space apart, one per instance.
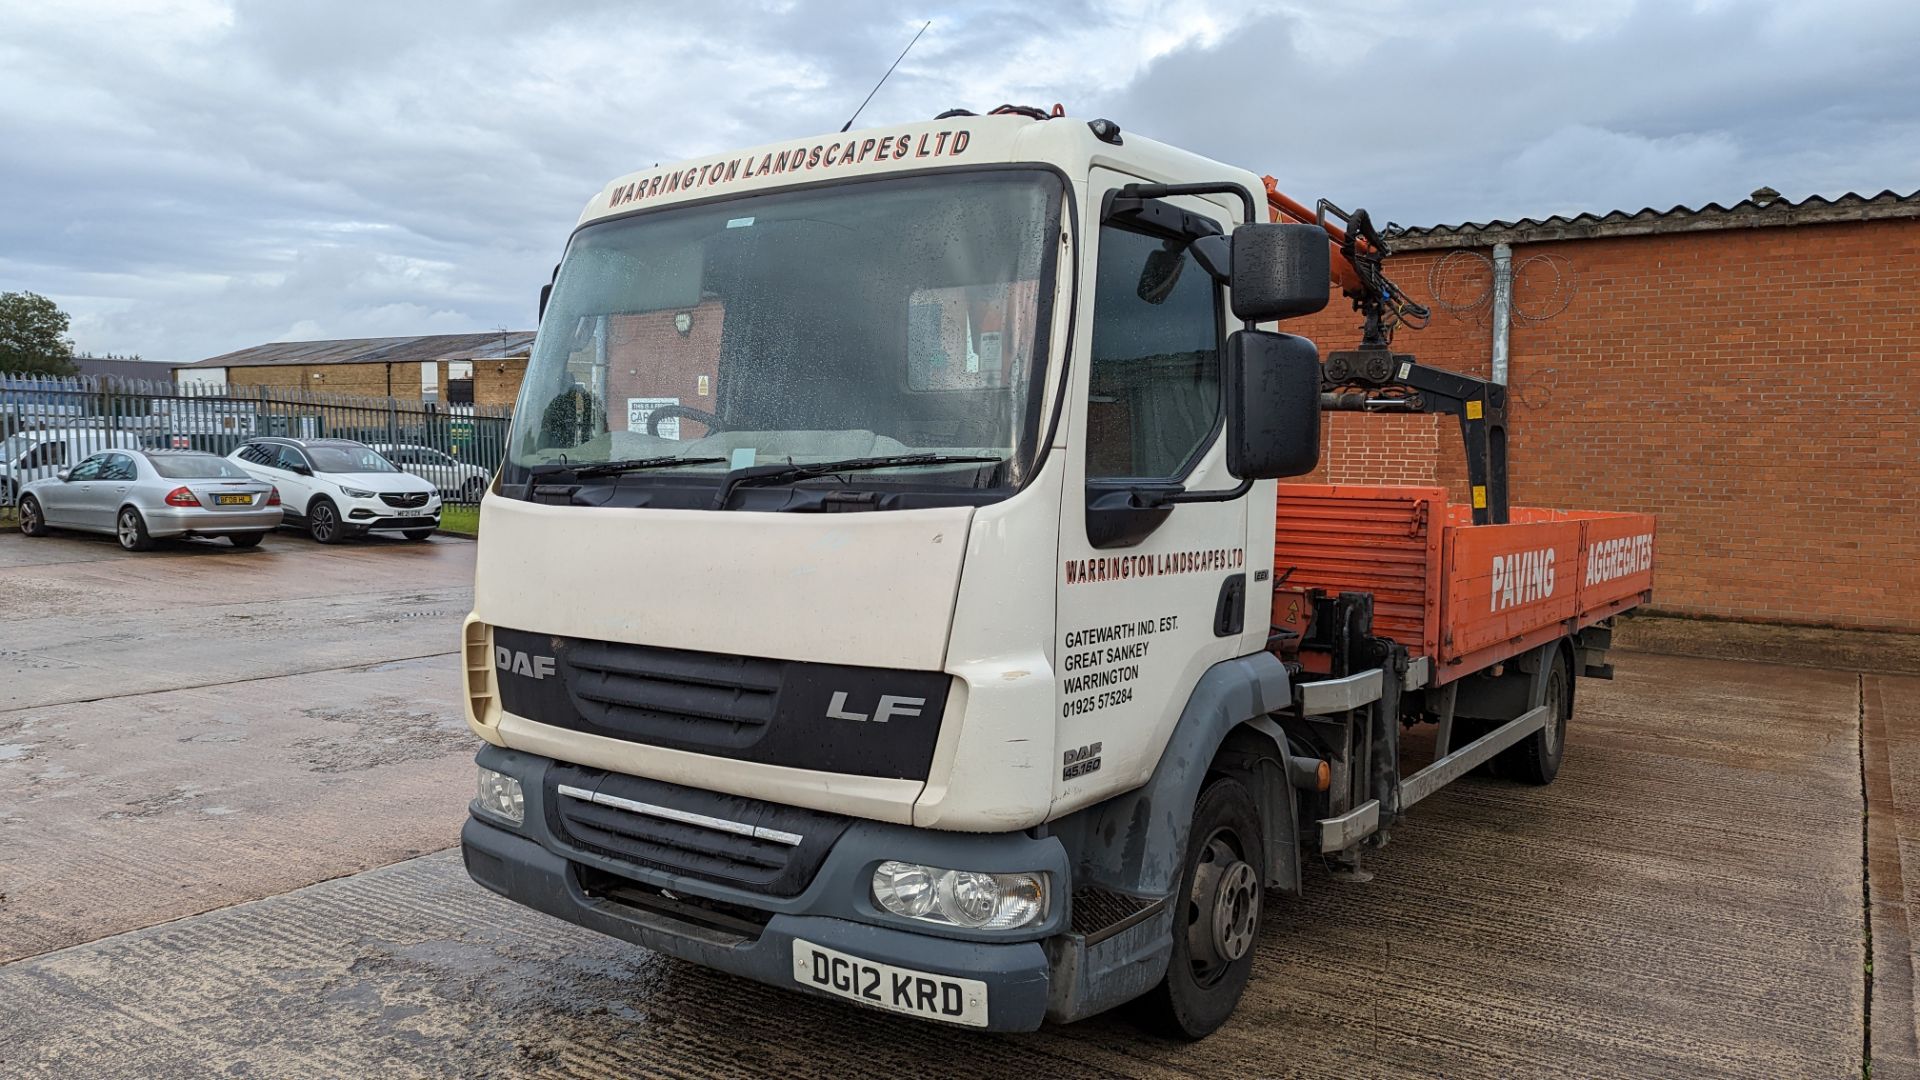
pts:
pixel 33 520
pixel 131 530
pixel 323 522
pixel 416 534
pixel 1217 917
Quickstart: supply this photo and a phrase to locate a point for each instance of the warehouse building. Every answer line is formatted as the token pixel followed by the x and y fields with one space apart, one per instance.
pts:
pixel 449 369
pixel 1739 371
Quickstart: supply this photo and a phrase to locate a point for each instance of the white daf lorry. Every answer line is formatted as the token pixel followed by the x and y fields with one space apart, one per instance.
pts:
pixel 888 594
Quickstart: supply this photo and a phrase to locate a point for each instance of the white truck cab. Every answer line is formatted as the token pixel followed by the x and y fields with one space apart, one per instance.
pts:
pixel 874 598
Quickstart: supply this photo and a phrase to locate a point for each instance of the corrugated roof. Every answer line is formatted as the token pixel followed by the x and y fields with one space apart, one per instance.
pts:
pixel 1767 210
pixel 123 369
pixel 388 350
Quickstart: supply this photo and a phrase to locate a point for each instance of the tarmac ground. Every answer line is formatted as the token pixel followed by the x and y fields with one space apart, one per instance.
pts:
pixel 230 782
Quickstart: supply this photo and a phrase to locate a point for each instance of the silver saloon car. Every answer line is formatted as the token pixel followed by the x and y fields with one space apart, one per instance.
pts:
pixel 141 496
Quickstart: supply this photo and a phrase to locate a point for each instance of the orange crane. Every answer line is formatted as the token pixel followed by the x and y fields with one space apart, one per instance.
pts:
pixel 1374 378
pixel 1357 253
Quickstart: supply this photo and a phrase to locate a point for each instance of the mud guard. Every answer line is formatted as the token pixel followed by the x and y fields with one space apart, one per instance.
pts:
pixel 1132 843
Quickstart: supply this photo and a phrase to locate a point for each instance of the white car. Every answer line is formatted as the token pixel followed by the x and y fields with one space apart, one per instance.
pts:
pixel 456 479
pixel 338 488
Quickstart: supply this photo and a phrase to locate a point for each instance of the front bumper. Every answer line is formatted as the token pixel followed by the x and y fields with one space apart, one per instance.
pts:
pixel 533 865
pixel 374 513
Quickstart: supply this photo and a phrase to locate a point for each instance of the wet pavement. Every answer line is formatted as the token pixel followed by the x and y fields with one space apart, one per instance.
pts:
pixel 206 824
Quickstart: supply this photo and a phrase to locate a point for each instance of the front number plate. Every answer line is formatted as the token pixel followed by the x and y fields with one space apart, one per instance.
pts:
pixel 901 990
pixel 234 500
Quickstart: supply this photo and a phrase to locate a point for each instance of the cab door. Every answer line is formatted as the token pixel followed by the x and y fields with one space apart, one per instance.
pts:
pixel 1148 598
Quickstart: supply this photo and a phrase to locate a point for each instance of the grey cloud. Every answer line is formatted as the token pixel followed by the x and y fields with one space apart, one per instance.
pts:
pixel 219 176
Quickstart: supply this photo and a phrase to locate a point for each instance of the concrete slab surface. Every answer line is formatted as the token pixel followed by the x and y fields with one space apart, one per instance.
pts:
pixel 1890 715
pixel 1686 900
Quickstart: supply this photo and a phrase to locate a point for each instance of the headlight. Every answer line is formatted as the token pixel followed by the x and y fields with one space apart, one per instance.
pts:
pixel 968 898
pixel 356 493
pixel 500 796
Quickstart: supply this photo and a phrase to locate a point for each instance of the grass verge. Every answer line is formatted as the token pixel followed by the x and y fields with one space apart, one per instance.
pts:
pixel 464 520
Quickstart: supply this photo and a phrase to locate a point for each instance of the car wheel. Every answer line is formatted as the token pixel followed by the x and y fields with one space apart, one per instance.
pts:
pixel 1216 914
pixel 323 522
pixel 33 521
pixel 416 534
pixel 131 530
pixel 9 491
pixel 244 540
pixel 474 491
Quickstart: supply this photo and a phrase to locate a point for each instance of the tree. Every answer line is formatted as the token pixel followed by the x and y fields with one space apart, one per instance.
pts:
pixel 33 335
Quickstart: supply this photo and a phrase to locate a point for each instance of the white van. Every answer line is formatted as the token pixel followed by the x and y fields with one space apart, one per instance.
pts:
pixel 36 455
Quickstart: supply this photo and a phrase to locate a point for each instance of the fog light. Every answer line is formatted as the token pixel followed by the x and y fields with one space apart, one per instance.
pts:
pixel 975 900
pixel 500 796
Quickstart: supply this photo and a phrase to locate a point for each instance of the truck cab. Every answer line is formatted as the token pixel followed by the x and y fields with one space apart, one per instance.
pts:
pixel 874 598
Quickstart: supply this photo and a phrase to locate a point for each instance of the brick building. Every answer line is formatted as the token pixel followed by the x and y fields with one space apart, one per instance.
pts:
pixel 1739 371
pixel 452 369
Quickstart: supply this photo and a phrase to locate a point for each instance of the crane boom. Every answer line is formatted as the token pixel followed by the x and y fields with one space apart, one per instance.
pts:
pixel 1374 378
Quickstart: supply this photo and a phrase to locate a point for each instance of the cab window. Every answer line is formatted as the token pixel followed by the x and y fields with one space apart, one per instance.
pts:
pixel 1154 399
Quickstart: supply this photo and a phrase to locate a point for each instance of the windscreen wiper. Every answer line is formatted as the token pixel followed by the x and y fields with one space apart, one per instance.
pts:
pixel 755 475
pixel 615 468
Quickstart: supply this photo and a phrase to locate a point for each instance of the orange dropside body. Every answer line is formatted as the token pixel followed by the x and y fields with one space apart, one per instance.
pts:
pixel 1467 596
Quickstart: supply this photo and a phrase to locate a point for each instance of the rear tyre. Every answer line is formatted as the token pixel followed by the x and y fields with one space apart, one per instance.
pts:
pixel 33 520
pixel 131 530
pixel 1216 915
pixel 323 522
pixel 416 534
pixel 244 540
pixel 474 490
pixel 1536 758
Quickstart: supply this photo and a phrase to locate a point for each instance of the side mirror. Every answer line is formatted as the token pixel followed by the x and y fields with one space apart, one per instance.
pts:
pixel 546 293
pixel 63 474
pixel 1280 271
pixel 1273 430
pixel 301 470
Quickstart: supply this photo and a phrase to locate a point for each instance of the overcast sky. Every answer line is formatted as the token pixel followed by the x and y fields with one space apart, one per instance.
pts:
pixel 188 177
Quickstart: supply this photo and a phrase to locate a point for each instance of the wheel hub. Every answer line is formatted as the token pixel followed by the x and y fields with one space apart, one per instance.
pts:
pixel 1225 909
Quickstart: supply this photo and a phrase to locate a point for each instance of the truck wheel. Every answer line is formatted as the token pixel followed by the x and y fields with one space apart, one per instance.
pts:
pixel 1536 758
pixel 1217 917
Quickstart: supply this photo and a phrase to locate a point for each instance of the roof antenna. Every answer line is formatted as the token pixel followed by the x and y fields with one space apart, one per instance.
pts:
pixel 883 78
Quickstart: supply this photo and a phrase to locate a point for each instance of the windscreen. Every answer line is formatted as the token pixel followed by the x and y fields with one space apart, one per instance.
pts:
pixel 348 459
pixel 195 467
pixel 902 317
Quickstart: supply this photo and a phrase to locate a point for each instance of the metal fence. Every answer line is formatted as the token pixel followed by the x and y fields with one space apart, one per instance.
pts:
pixel 51 423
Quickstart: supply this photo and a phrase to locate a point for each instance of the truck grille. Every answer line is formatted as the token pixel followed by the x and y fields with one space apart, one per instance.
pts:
pixel 654 694
pixel 792 713
pixel 406 501
pixel 745 843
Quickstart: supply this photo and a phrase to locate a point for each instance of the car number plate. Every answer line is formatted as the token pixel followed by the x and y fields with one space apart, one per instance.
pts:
pixel 234 500
pixel 897 989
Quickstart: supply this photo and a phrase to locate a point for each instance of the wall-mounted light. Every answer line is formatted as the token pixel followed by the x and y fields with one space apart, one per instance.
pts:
pixel 683 322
